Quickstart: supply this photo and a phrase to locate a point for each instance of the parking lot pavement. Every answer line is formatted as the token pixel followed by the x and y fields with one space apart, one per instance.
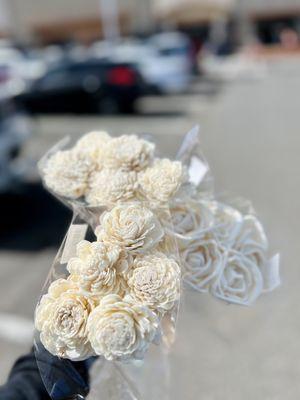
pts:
pixel 251 138
pixel 22 276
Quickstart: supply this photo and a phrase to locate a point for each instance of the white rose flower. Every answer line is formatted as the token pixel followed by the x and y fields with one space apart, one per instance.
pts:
pixel 67 173
pixel 97 268
pixel 191 219
pixel 128 152
pixel 227 223
pixel 61 318
pixel 119 329
pixel 154 280
pixel 93 145
pixel 202 260
pixel 243 243
pixel 239 233
pixel 239 282
pixel 132 227
pixel 251 240
pixel 110 187
pixel 162 181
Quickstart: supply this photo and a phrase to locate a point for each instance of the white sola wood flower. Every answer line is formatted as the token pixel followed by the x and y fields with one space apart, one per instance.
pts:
pixel 160 182
pixel 227 223
pixel 121 329
pixel 191 219
pixel 244 245
pixel 67 173
pixel 154 280
pixel 131 226
pixel 251 240
pixel 110 186
pixel 128 152
pixel 249 254
pixel 226 259
pixel 240 281
pixel 202 261
pixel 61 318
pixel 97 268
pixel 93 145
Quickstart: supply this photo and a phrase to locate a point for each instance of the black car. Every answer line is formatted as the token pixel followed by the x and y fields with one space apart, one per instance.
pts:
pixel 91 86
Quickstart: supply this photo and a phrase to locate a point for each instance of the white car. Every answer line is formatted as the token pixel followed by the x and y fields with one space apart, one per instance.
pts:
pixel 16 70
pixel 175 61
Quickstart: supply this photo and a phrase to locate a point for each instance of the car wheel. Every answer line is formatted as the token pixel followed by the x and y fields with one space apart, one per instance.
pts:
pixel 108 105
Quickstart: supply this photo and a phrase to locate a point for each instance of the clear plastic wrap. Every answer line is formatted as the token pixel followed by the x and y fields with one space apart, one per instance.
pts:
pixel 190 154
pixel 87 373
pixel 223 246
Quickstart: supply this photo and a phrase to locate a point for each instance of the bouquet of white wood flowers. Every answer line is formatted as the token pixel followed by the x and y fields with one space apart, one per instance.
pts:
pixel 141 223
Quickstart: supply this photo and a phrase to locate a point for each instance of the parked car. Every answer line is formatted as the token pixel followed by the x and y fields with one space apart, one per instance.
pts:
pixel 21 64
pixel 164 60
pixel 90 86
pixel 16 70
pixel 176 60
pixel 14 130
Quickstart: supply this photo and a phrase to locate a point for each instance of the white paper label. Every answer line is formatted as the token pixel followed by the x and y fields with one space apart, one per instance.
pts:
pixel 75 234
pixel 197 170
pixel 271 273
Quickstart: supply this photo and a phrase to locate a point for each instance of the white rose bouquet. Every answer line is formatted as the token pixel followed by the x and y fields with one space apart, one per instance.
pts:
pixel 223 248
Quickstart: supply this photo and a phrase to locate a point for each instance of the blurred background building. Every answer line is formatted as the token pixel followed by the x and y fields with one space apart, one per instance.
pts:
pixel 59 21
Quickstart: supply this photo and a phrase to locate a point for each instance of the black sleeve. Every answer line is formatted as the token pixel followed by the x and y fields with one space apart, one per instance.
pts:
pixel 64 378
pixel 24 382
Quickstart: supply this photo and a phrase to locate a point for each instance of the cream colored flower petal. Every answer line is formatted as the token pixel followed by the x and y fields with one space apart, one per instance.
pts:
pixel 97 268
pixel 83 249
pixel 251 240
pixel 160 182
pixel 154 280
pixel 60 286
pixel 61 318
pixel 132 227
pixel 67 173
pixel 202 261
pixel 93 145
pixel 128 152
pixel 108 187
pixel 191 219
pixel 119 329
pixel 43 312
pixel 239 282
pixel 227 223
